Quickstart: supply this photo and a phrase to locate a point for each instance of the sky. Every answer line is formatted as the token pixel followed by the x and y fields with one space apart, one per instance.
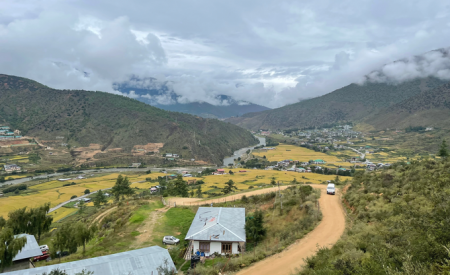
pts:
pixel 271 53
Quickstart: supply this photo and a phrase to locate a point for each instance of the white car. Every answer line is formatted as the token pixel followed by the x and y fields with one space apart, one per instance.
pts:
pixel 170 240
pixel 331 189
pixel 44 247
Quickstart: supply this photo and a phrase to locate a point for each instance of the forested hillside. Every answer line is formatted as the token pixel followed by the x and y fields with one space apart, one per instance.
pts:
pixel 351 103
pixel 399 223
pixel 431 108
pixel 84 117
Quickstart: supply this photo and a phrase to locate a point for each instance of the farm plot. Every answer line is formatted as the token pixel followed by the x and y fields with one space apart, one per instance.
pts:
pixel 302 154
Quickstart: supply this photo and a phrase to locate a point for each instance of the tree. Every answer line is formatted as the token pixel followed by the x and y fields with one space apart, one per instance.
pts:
pixel 122 188
pixel 229 187
pixel 443 151
pixel 148 172
pixel 39 221
pixel 273 182
pixel 100 198
pixel 9 247
pixel 81 206
pixel 84 233
pixel 337 180
pixel 199 192
pixel 192 193
pixel 2 222
pixel 180 187
pixel 87 191
pixel 65 239
pixel 231 172
pixel 254 227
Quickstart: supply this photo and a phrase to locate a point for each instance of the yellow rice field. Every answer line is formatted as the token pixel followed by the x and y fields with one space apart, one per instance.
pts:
pixel 256 177
pixel 284 151
pixel 62 212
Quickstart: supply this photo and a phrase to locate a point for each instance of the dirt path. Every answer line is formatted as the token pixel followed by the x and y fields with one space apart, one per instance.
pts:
pixel 146 229
pixel 193 201
pixel 325 234
pixel 100 217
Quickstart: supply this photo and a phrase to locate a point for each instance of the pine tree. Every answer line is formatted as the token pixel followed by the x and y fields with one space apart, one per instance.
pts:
pixel 122 188
pixel 100 198
pixel 229 187
pixel 254 227
pixel 443 151
pixel 180 187
pixel 199 192
pixel 273 182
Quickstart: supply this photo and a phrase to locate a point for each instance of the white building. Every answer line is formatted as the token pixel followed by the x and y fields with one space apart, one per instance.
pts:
pixel 218 229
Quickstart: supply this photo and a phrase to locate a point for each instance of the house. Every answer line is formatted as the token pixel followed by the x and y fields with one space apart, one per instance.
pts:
pixel 301 170
pixel 217 230
pixel 136 165
pixel 22 259
pixel 142 261
pixel 11 167
pixel 220 171
pixel 193 181
pixel 319 161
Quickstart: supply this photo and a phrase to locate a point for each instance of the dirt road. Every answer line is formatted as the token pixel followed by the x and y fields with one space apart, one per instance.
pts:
pixel 193 201
pixel 325 234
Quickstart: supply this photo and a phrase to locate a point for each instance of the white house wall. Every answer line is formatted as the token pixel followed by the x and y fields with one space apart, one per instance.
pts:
pixel 215 247
pixel 196 246
pixel 234 248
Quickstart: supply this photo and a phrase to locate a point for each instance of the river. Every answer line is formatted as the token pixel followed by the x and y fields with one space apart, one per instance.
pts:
pixel 240 152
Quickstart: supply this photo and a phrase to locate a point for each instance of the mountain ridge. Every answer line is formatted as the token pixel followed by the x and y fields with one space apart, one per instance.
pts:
pixel 84 117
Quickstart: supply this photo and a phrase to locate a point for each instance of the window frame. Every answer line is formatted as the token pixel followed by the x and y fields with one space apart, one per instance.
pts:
pixel 208 244
pixel 225 251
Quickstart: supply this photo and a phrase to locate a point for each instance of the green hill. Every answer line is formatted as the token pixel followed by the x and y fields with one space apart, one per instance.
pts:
pixel 431 108
pixel 352 103
pixel 398 223
pixel 84 117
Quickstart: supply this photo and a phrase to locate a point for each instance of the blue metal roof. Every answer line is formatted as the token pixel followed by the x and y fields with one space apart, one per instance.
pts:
pixel 30 250
pixel 136 262
pixel 218 224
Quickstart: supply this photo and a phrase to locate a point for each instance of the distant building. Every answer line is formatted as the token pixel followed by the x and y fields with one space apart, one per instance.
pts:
pixel 11 168
pixel 142 261
pixel 136 165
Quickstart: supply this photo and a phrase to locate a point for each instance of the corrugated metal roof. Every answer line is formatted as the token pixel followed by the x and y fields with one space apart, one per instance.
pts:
pixel 218 224
pixel 31 248
pixel 143 261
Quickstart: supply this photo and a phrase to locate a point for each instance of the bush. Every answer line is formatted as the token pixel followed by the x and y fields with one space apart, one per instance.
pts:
pixel 165 194
pixel 251 187
pixel 73 197
pixel 14 188
pixel 87 191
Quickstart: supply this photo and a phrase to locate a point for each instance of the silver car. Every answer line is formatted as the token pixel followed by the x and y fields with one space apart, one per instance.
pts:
pixel 170 240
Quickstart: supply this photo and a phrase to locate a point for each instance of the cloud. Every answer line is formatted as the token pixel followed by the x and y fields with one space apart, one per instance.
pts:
pixel 271 53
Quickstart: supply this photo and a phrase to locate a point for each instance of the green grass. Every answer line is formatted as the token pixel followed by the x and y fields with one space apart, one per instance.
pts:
pixel 140 215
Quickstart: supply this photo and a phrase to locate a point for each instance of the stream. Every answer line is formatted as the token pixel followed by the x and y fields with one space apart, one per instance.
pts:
pixel 240 152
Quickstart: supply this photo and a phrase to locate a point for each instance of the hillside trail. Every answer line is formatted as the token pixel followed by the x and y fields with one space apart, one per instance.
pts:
pixel 326 234
pixel 146 229
pixel 100 217
pixel 194 201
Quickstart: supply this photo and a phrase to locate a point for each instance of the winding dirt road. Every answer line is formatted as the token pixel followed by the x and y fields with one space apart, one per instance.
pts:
pixel 326 234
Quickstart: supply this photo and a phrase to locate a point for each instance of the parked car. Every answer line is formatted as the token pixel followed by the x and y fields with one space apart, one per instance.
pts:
pixel 63 254
pixel 44 247
pixel 170 240
pixel 331 189
pixel 44 256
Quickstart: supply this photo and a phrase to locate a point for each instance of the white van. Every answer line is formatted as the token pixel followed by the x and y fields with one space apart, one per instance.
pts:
pixel 330 189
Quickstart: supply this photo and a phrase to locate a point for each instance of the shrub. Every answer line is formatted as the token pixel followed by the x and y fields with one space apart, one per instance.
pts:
pixel 14 188
pixel 251 187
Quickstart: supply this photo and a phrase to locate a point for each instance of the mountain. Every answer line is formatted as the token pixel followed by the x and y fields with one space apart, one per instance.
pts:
pixel 352 103
pixel 227 106
pixel 114 121
pixel 430 108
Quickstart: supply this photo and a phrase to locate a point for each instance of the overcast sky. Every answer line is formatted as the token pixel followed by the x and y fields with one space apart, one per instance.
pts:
pixel 271 53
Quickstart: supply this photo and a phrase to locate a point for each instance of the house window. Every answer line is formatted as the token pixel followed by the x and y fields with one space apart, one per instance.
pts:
pixel 226 248
pixel 204 247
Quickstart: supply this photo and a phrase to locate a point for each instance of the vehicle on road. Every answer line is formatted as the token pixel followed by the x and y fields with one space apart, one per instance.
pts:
pixel 170 240
pixel 44 247
pixel 331 189
pixel 44 256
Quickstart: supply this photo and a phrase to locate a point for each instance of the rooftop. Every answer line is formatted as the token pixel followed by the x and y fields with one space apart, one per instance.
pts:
pixel 137 262
pixel 218 224
pixel 31 248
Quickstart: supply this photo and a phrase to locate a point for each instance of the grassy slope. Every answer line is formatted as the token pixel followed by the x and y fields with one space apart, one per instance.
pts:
pixel 351 103
pixel 398 224
pixel 84 117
